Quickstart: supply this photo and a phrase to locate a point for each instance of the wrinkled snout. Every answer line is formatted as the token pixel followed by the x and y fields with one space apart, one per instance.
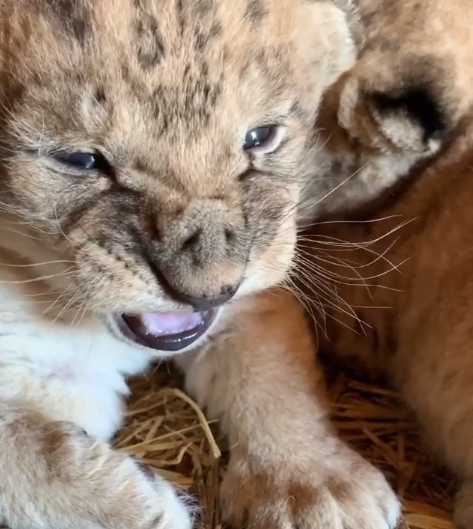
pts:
pixel 202 253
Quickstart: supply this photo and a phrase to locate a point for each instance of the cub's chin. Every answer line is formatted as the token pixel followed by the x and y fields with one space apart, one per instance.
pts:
pixel 164 333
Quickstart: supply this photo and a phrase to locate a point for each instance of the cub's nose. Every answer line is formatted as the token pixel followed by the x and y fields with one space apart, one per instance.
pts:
pixel 204 303
pixel 201 255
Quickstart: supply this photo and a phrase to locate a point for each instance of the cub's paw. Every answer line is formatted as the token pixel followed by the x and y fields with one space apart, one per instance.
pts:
pixel 344 492
pixel 397 104
pixel 77 482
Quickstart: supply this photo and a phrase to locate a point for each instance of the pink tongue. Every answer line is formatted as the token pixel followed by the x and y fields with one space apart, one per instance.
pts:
pixel 161 324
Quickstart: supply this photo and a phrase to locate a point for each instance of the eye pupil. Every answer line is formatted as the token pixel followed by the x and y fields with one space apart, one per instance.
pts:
pixel 82 160
pixel 257 137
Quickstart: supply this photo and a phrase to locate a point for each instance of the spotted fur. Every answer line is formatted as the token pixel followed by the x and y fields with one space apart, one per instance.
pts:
pixel 172 209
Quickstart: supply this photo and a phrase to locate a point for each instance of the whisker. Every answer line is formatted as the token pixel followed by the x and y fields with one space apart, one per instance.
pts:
pixel 343 221
pixel 332 298
pixel 67 306
pixel 22 233
pixel 36 279
pixel 60 227
pixel 59 261
pixel 291 287
pixel 81 309
pixel 58 298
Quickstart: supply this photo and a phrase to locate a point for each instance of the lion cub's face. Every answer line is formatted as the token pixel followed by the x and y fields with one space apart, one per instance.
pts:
pixel 164 144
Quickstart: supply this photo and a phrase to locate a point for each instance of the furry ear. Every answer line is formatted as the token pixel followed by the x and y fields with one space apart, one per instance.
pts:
pixel 327 36
pixel 393 103
pixel 380 119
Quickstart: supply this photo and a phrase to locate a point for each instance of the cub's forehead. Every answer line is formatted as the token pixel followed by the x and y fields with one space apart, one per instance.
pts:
pixel 152 31
pixel 101 66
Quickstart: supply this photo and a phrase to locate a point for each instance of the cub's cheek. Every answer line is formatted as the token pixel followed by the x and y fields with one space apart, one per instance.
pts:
pixel 272 266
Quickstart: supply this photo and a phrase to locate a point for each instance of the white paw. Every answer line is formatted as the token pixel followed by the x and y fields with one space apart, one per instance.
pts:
pixel 75 482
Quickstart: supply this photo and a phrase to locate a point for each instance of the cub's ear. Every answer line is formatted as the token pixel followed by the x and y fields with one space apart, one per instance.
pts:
pixel 328 33
pixel 392 103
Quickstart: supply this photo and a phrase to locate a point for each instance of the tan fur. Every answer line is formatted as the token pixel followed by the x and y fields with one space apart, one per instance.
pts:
pixel 419 48
pixel 393 276
pixel 165 90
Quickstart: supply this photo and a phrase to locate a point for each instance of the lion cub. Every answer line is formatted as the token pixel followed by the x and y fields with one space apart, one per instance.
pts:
pixel 153 158
pixel 397 269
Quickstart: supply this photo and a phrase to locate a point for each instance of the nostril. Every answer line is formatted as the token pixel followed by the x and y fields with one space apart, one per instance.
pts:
pixel 229 236
pixel 193 240
pixel 228 290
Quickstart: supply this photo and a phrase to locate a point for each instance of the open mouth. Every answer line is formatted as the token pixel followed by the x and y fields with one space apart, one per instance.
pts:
pixel 172 331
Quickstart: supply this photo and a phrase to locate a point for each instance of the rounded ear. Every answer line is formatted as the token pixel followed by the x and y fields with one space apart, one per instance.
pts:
pixel 412 82
pixel 328 37
pixel 391 102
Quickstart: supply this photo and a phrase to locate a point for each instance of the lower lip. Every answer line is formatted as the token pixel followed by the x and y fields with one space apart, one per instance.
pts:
pixel 131 328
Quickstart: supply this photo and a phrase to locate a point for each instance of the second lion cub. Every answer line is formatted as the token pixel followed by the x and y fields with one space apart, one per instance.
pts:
pixel 400 135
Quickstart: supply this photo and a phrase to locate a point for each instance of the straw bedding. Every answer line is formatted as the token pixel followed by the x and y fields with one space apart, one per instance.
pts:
pixel 167 430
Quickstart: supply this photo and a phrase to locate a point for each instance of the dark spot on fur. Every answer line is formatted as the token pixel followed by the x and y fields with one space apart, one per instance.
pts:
pixel 244 70
pixel 180 16
pixel 255 11
pixel 203 8
pixel 141 166
pixel 73 17
pixel 192 13
pixel 297 109
pixel 216 29
pixel 419 104
pixel 205 69
pixel 192 102
pixel 99 94
pixel 149 41
pixel 187 70
pixel 200 40
pixel 157 521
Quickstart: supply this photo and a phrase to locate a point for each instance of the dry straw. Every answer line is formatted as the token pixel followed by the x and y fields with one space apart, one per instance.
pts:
pixel 168 431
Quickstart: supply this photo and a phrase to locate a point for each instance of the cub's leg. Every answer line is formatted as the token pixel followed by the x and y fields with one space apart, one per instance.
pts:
pixel 434 370
pixel 54 475
pixel 287 468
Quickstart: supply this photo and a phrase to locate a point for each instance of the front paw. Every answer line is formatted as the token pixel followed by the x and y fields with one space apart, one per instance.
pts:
pixel 73 481
pixel 343 492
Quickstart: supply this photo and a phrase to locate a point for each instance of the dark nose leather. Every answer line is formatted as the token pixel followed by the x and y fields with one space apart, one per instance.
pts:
pixel 203 303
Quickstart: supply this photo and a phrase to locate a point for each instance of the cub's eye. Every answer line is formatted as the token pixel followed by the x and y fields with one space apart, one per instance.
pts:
pixel 263 139
pixel 256 137
pixel 80 160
